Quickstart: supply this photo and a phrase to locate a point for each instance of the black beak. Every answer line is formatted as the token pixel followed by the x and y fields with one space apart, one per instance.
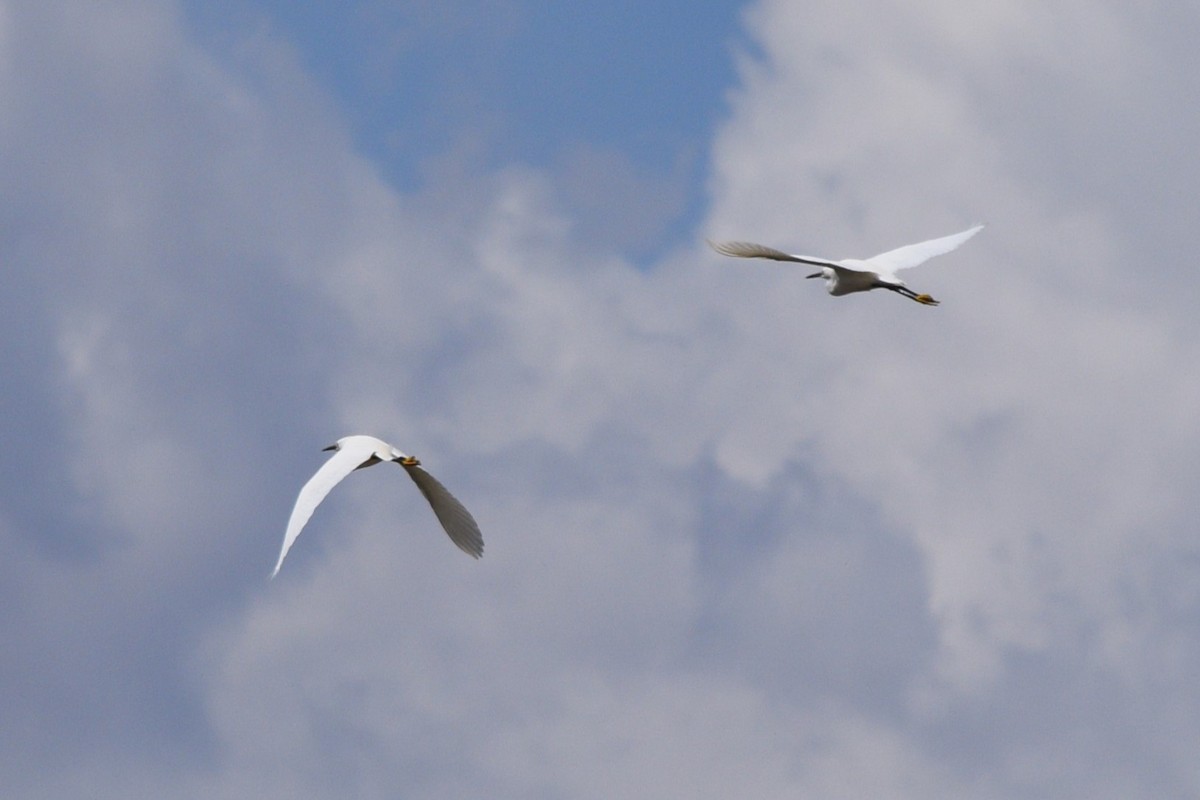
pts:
pixel 331 447
pixel 816 275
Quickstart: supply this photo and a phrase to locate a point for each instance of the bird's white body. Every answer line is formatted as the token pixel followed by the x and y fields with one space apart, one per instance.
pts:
pixel 356 452
pixel 860 275
pixel 853 275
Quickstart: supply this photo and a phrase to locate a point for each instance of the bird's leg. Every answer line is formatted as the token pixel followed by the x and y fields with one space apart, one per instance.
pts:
pixel 923 299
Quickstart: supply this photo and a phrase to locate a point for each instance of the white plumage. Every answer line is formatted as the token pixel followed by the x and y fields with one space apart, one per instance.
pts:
pixel 356 452
pixel 858 275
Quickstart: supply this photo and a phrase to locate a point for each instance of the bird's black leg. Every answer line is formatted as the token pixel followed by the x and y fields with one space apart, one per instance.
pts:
pixel 923 299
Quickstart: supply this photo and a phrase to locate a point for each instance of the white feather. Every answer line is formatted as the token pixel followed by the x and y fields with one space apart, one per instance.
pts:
pixel 356 452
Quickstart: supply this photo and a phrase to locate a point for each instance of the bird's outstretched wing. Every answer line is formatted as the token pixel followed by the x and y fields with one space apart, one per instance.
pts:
pixel 910 255
pixel 751 250
pixel 453 515
pixel 330 474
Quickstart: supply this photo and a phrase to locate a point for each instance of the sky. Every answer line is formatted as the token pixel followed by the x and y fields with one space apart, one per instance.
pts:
pixel 743 539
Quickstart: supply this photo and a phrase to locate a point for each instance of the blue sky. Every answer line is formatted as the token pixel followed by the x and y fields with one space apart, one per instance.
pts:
pixel 743 539
pixel 481 85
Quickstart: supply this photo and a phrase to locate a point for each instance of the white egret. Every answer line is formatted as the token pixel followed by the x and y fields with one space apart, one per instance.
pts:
pixel 356 452
pixel 856 275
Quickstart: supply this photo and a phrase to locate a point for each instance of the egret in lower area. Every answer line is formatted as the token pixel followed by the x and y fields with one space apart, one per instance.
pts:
pixel 356 452
pixel 857 275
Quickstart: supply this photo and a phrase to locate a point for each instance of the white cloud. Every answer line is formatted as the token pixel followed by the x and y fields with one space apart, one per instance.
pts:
pixel 1027 436
pixel 742 538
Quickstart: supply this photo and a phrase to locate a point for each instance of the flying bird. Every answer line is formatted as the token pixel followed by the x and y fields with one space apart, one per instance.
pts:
pixel 856 275
pixel 356 452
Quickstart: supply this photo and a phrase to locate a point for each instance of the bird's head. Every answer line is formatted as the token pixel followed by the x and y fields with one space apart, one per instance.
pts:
pixel 335 446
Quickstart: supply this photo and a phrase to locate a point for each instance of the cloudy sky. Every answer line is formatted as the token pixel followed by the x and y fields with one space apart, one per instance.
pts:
pixel 744 540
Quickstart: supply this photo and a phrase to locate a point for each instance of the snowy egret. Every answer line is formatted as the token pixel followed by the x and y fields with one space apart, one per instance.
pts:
pixel 356 452
pixel 856 275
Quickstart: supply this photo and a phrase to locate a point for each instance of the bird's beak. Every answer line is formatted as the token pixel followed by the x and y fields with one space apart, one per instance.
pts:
pixel 331 447
pixel 816 275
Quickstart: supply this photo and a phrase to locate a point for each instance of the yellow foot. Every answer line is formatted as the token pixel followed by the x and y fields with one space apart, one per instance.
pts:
pixel 411 462
pixel 925 300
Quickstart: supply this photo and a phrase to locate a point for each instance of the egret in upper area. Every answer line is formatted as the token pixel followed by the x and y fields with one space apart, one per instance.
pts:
pixel 356 452
pixel 856 275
